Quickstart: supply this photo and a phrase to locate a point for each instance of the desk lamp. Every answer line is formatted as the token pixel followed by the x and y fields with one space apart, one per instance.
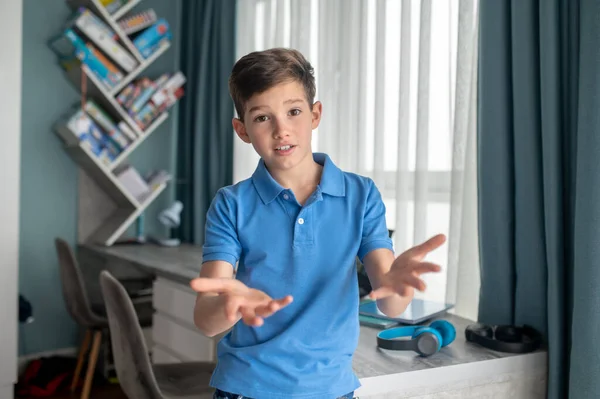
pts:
pixel 170 219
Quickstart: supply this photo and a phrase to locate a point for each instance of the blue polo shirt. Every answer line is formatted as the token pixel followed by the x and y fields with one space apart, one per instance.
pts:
pixel 305 350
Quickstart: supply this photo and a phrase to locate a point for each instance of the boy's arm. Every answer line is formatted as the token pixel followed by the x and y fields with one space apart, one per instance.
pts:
pixel 394 280
pixel 376 252
pixel 220 252
pixel 377 264
pixel 209 311
pixel 222 300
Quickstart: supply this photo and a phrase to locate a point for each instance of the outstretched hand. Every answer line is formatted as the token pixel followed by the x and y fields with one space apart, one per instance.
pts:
pixel 252 305
pixel 405 272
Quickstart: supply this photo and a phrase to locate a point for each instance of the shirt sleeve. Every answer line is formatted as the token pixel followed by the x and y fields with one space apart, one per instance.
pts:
pixel 375 233
pixel 220 237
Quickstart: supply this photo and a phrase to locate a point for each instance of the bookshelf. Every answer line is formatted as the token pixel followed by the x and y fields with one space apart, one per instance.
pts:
pixel 106 99
pixel 101 139
pixel 111 20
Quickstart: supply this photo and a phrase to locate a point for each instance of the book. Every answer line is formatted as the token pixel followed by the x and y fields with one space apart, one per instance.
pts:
pixel 128 131
pixel 107 124
pixel 86 55
pixel 137 22
pixel 133 182
pixel 116 73
pixel 82 131
pixel 152 37
pixel 145 99
pixel 166 92
pixel 143 84
pixel 99 33
pixel 370 321
pixel 147 92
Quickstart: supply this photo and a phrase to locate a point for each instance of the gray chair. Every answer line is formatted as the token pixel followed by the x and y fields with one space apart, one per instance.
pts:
pixel 78 305
pixel 138 377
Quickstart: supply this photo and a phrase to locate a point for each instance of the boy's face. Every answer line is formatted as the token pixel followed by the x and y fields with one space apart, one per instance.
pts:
pixel 279 123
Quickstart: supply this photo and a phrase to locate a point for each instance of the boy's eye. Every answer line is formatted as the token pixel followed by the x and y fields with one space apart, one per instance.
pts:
pixel 295 112
pixel 261 118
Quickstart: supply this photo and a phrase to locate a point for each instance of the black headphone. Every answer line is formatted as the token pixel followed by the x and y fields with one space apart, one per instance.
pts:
pixel 504 338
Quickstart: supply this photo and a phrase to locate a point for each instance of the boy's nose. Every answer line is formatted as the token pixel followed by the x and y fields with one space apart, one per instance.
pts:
pixel 280 129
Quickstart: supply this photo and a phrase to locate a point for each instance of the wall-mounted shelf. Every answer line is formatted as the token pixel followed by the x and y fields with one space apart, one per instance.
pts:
pixel 97 90
pixel 122 218
pixel 136 72
pixel 111 20
pixel 104 166
pixel 124 9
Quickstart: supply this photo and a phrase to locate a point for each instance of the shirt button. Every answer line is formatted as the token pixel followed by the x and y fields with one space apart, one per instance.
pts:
pixel 300 221
pixel 285 196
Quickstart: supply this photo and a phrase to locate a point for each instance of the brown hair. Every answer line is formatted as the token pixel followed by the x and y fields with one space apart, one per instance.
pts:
pixel 259 71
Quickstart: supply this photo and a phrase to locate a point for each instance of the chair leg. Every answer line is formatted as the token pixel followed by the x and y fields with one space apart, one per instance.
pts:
pixel 89 376
pixel 82 351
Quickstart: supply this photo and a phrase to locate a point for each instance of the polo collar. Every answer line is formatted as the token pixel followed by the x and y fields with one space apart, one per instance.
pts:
pixel 332 180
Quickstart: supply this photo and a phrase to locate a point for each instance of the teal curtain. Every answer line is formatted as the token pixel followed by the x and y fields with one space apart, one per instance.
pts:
pixel 205 135
pixel 539 180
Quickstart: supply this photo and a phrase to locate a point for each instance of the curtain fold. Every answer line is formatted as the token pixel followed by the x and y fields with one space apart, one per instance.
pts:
pixel 462 280
pixel 205 139
pixel 539 199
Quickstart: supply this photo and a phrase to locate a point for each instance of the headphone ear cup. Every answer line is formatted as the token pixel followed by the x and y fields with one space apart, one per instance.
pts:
pixel 446 330
pixel 482 330
pixel 508 334
pixel 429 340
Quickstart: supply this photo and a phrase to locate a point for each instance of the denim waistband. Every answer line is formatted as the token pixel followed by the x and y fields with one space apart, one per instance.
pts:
pixel 228 395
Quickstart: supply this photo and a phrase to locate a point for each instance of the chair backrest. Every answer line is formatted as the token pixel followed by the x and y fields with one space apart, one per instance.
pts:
pixel 130 353
pixel 73 287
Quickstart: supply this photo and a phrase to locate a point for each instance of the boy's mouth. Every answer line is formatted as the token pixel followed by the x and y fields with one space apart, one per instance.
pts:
pixel 285 149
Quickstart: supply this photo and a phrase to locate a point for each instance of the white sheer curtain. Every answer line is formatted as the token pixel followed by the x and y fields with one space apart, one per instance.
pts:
pixel 398 84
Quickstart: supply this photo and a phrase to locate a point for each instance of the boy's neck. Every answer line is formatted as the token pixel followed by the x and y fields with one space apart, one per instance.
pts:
pixel 302 180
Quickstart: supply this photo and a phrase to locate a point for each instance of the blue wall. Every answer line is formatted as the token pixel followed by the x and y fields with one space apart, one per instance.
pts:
pixel 49 176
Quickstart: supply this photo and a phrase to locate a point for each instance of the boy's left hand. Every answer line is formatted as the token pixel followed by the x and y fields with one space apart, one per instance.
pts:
pixel 405 272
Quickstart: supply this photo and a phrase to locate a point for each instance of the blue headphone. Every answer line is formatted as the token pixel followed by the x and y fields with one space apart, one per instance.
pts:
pixel 425 340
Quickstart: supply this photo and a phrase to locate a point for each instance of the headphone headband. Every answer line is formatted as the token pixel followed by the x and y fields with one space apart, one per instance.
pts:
pixel 386 339
pixel 518 340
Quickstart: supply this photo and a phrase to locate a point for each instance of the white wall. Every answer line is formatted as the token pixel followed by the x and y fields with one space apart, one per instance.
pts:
pixel 11 17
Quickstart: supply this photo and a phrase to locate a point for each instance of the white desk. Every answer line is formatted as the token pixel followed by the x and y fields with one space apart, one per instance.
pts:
pixel 461 370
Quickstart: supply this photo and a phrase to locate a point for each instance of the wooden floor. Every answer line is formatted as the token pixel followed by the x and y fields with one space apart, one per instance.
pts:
pixel 102 392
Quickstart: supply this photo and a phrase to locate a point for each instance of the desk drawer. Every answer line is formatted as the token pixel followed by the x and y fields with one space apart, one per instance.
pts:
pixel 175 300
pixel 182 340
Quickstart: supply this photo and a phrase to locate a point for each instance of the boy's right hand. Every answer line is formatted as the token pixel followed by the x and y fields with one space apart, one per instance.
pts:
pixel 250 304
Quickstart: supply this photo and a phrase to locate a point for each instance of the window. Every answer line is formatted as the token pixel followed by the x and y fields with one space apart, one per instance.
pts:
pixel 355 47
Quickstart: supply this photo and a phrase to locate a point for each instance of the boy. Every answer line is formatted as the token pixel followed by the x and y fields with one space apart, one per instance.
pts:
pixel 294 229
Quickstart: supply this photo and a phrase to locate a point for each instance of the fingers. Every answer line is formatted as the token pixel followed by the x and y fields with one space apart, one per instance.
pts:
pixel 267 310
pixel 253 311
pixel 415 282
pixel 284 301
pixel 216 285
pixel 239 307
pixel 382 292
pixel 425 267
pixel 232 307
pixel 273 306
pixel 401 288
pixel 429 245
pixel 249 316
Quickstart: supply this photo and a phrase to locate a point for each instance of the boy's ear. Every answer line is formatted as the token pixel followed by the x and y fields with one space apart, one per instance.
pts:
pixel 240 129
pixel 317 110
